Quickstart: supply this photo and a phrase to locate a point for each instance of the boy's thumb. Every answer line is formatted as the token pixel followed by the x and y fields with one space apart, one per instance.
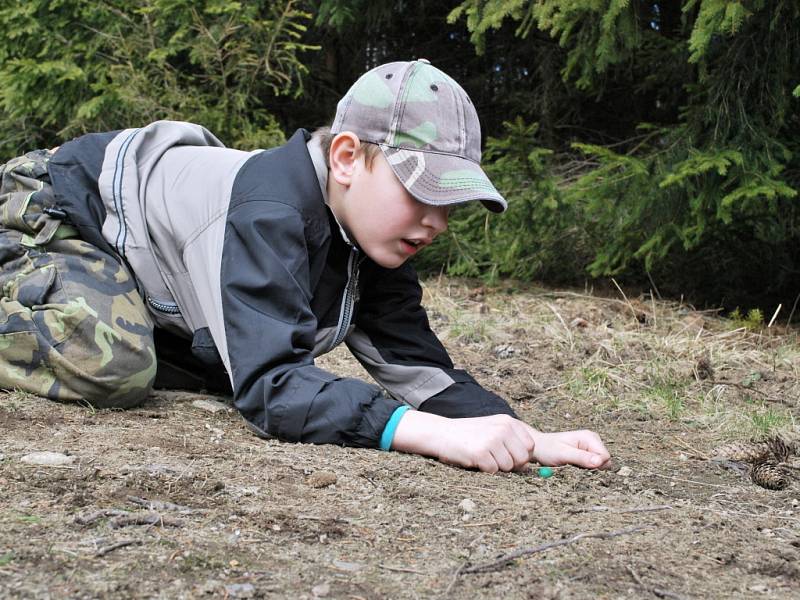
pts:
pixel 582 458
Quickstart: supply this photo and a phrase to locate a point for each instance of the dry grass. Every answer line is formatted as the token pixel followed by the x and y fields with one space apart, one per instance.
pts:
pixel 637 355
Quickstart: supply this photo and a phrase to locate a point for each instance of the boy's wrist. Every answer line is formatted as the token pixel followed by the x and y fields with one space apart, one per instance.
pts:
pixel 385 443
pixel 419 433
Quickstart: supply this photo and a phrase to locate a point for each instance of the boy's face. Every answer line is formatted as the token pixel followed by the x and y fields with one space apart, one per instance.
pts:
pixel 388 223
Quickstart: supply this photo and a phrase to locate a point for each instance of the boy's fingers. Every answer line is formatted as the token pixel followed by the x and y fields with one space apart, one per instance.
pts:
pixel 524 434
pixel 520 445
pixel 487 463
pixel 582 458
pixel 518 453
pixel 504 459
pixel 590 441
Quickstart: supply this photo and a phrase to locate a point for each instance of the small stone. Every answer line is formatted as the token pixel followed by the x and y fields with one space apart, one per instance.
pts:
pixel 48 459
pixel 233 539
pixel 347 566
pixel 467 505
pixel 210 586
pixel 625 471
pixel 504 351
pixel 240 590
pixel 321 590
pixel 759 588
pixel 212 406
pixel 321 479
pixel 545 472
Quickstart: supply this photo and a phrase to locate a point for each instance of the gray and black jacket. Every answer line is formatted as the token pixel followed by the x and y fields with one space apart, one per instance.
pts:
pixel 239 251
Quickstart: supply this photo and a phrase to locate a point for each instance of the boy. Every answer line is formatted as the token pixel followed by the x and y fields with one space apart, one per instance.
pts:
pixel 263 260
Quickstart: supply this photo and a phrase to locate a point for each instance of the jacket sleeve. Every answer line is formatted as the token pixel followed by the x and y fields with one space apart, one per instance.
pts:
pixel 394 342
pixel 270 332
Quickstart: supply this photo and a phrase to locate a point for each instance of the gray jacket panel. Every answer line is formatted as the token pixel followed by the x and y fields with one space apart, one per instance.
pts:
pixel 130 159
pixel 187 198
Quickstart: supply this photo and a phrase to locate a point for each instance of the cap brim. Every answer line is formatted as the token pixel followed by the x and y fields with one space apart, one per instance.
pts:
pixel 442 179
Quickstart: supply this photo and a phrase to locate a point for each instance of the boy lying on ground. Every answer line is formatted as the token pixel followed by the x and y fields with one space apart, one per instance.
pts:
pixel 158 241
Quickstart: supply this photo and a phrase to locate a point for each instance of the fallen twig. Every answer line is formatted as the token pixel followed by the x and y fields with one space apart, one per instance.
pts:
pixel 149 518
pixel 627 302
pixel 659 592
pixel 111 547
pixel 402 569
pixel 507 558
pixel 159 505
pixel 454 579
pixel 484 523
pixel 89 518
pixel 753 389
pixel 697 453
pixel 619 511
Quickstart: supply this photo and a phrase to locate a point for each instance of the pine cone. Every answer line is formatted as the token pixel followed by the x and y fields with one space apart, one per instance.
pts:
pixel 750 452
pixel 704 369
pixel 768 475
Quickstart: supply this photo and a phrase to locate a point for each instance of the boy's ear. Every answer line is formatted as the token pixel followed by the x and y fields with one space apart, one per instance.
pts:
pixel 345 151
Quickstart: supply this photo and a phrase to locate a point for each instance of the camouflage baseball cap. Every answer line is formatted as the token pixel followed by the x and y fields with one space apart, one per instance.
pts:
pixel 427 128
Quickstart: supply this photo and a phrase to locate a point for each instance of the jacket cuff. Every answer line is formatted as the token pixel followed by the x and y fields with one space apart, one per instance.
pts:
pixel 388 432
pixel 466 398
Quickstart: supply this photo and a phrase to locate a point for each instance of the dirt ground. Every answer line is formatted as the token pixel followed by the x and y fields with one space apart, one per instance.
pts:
pixel 177 499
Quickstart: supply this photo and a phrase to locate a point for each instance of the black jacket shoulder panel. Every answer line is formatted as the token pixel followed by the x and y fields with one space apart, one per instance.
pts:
pixel 74 170
pixel 290 179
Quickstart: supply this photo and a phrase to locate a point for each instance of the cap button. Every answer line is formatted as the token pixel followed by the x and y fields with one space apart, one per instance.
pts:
pixel 424 60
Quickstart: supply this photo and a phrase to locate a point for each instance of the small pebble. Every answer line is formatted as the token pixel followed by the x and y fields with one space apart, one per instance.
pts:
pixel 625 471
pixel 504 351
pixel 467 505
pixel 347 566
pixel 545 472
pixel 321 479
pixel 240 590
pixel 212 406
pixel 48 459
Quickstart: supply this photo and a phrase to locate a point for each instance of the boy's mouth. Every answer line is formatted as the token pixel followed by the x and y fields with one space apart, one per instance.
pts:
pixel 411 246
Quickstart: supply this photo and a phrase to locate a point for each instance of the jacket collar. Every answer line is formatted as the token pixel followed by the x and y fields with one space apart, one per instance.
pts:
pixel 318 160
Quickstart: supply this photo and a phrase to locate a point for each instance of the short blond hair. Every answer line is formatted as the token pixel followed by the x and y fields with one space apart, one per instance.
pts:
pixel 325 137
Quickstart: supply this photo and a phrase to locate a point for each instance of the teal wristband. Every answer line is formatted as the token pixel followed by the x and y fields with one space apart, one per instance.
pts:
pixel 388 432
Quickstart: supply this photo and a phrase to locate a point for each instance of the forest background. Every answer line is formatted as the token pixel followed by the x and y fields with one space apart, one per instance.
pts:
pixel 653 142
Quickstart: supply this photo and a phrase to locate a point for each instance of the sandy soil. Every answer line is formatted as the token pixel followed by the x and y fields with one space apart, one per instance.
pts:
pixel 176 500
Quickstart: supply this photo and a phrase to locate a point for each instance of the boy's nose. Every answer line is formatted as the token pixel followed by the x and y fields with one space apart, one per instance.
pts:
pixel 435 218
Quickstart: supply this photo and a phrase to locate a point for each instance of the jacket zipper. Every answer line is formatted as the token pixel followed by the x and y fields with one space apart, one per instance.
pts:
pixel 348 300
pixel 164 307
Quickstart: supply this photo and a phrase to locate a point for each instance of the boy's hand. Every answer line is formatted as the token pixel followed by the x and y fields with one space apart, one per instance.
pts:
pixel 582 448
pixel 491 444
pixel 496 443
